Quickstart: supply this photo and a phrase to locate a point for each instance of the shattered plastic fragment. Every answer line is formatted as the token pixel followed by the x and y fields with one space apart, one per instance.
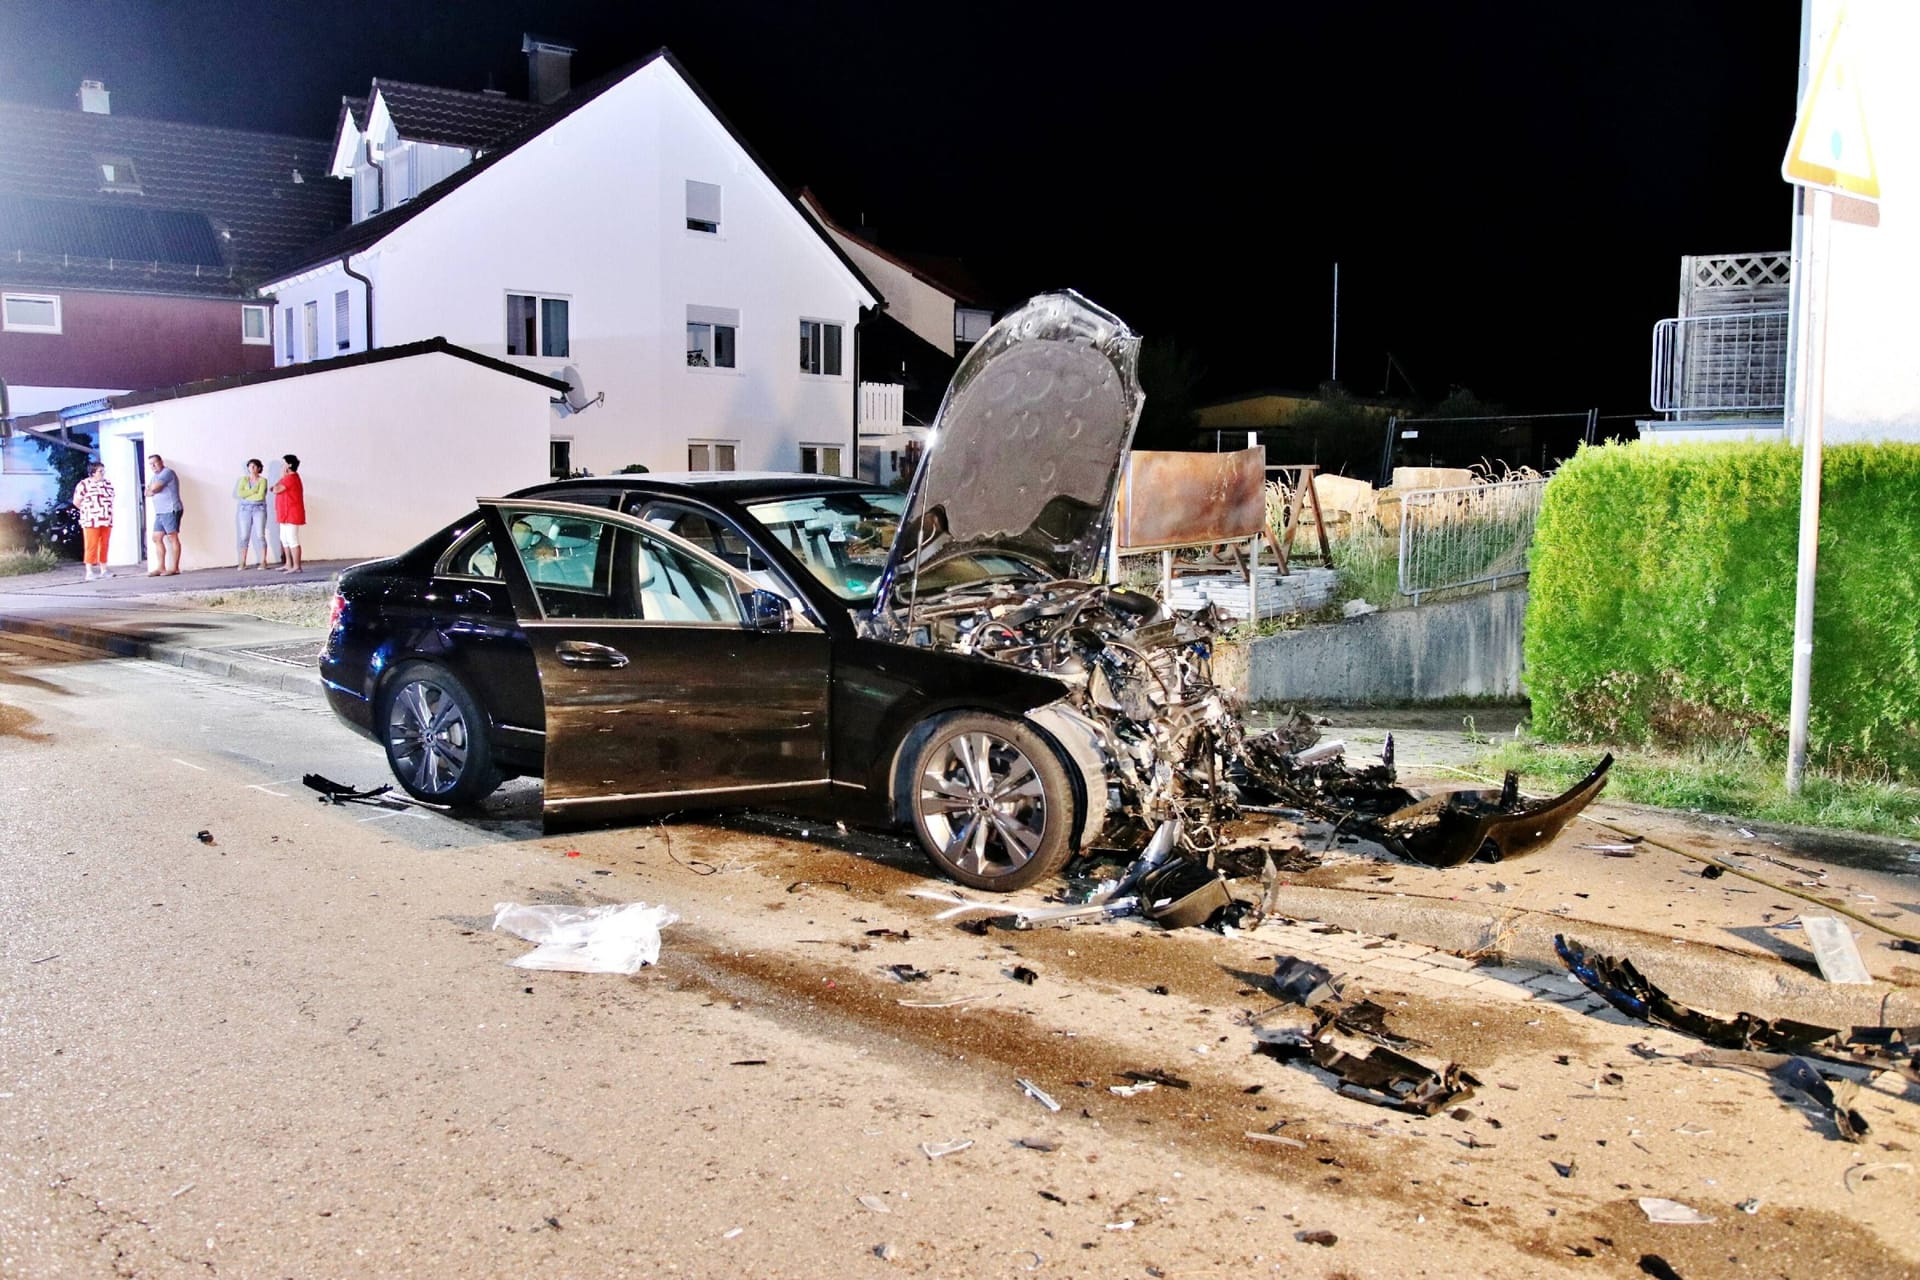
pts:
pixel 1660 1209
pixel 934 1150
pixel 1038 1094
pixel 1834 950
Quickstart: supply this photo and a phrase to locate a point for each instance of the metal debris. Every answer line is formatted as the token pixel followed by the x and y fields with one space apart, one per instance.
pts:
pixel 332 792
pixel 1038 1094
pixel 1802 1075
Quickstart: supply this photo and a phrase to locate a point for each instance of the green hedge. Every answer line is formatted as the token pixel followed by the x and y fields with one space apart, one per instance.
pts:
pixel 1662 600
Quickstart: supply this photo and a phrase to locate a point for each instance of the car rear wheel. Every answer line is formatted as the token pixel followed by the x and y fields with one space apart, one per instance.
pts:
pixel 992 803
pixel 436 737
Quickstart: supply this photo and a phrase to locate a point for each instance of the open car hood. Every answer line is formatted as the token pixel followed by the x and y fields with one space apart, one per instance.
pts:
pixel 1026 451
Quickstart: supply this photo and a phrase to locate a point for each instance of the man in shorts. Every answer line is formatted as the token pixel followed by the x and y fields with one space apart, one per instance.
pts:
pixel 290 510
pixel 164 489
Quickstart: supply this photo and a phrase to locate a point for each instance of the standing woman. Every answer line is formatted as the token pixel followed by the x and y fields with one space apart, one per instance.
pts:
pixel 94 497
pixel 290 509
pixel 250 512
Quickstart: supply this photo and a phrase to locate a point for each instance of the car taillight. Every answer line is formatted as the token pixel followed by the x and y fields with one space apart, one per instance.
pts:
pixel 339 607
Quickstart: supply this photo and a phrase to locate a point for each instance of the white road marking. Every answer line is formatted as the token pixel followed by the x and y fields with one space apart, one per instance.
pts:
pixel 268 787
pixel 395 813
pixel 178 760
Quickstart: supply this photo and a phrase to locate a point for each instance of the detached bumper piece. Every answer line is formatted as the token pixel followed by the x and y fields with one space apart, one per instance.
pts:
pixel 1439 829
pixel 1380 1076
pixel 1624 987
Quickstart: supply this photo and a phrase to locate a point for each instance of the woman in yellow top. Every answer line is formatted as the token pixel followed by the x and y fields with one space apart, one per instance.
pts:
pixel 250 513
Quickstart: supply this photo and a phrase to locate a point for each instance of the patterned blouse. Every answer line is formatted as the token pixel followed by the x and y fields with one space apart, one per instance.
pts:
pixel 94 497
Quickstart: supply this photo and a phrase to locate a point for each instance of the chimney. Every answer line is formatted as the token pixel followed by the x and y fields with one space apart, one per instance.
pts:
pixel 549 68
pixel 93 98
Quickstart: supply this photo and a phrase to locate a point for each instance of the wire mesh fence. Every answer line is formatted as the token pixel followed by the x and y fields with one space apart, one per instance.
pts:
pixel 1465 536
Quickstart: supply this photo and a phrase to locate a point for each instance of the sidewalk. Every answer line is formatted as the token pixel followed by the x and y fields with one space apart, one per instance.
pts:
pixel 1729 943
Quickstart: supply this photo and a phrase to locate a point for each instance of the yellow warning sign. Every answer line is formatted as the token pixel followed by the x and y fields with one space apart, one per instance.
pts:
pixel 1830 148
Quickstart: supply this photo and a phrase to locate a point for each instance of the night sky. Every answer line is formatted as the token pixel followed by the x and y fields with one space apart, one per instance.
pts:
pixel 1508 187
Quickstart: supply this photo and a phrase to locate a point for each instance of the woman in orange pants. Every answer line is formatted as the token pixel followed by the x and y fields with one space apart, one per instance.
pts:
pixel 94 497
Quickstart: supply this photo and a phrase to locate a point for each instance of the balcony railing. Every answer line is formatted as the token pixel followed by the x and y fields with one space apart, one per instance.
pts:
pixel 1720 364
pixel 882 407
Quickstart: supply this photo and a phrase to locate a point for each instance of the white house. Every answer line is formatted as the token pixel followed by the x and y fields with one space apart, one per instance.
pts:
pixel 623 239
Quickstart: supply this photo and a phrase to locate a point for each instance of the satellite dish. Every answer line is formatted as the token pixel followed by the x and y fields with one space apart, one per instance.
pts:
pixel 575 398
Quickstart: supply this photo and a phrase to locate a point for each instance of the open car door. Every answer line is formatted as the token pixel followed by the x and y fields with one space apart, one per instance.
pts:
pixel 670 680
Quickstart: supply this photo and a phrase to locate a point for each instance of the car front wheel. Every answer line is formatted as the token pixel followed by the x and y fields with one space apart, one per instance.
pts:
pixel 436 737
pixel 992 803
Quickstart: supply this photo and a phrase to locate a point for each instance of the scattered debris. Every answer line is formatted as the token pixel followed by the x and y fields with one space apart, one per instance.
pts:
pixel 1905 944
pixel 934 1150
pixel 1037 1144
pixel 616 938
pixel 1133 1090
pixel 1834 950
pixel 1658 1267
pixel 1278 1138
pixel 748 1062
pixel 937 1004
pixel 1622 986
pixel 332 792
pixel 1038 1094
pixel 1023 974
pixel 1166 1078
pixel 1749 1206
pixel 908 973
pixel 204 837
pixel 1660 1209
pixel 1566 1170
pixel 1325 1239
pixel 876 1204
pixel 1864 1173
pixel 1712 871
pixel 729 1235
pixel 1802 1075
pixel 1304 982
pixel 885 1252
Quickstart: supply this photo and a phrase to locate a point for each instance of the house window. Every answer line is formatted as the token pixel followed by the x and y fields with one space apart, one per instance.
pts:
pixel 537 326
pixel 820 348
pixel 820 459
pixel 310 326
pixel 30 312
pixel 253 327
pixel 116 174
pixel 560 458
pixel 703 207
pixel 711 335
pixel 711 455
pixel 342 326
pixel 286 328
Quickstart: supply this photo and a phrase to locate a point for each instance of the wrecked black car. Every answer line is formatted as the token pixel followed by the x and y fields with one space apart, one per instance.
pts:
pixel 947 661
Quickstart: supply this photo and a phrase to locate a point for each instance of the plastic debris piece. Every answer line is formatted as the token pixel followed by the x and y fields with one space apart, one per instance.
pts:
pixel 1566 1170
pixel 1325 1239
pixel 1304 982
pixel 885 1252
pixel 204 837
pixel 1658 1267
pixel 1834 950
pixel 1166 1078
pixel 1121 1226
pixel 1712 871
pixel 934 1150
pixel 1864 1173
pixel 1672 1212
pixel 617 938
pixel 1802 1075
pixel 1037 1144
pixel 1132 1090
pixel 1023 974
pixel 876 1204
pixel 729 1235
pixel 1749 1206
pixel 1905 944
pixel 1279 1139
pixel 908 973
pixel 1038 1094
pixel 332 792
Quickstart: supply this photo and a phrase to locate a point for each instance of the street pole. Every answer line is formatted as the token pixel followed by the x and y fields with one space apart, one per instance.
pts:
pixel 1813 429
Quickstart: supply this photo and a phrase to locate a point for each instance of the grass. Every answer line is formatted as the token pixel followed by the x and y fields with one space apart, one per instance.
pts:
pixel 303 604
pixel 39 560
pixel 1734 781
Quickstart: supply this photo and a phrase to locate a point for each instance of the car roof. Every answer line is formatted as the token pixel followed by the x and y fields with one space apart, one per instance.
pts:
pixel 731 486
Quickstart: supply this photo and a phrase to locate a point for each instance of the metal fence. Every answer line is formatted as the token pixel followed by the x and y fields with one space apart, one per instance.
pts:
pixel 1720 363
pixel 1468 535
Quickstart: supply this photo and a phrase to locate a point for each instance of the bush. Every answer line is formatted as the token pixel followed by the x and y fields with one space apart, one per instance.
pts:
pixel 1663 593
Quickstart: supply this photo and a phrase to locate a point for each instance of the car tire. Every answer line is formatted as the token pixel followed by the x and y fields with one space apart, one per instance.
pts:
pixel 992 803
pixel 435 733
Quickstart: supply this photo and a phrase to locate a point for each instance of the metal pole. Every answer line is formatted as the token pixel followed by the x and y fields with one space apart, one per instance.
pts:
pixel 1335 376
pixel 1812 432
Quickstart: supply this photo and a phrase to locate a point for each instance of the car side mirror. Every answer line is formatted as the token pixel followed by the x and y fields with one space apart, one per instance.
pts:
pixel 766 611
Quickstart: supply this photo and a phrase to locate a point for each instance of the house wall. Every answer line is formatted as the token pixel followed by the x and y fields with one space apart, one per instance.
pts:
pixel 376 480
pixel 594 210
pixel 1872 384
pixel 128 340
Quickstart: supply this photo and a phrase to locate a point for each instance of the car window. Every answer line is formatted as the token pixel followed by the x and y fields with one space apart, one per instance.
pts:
pixel 582 567
pixel 842 538
pixel 471 557
pixel 712 535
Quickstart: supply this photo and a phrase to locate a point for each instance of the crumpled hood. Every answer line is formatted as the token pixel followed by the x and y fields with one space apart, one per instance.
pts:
pixel 1027 448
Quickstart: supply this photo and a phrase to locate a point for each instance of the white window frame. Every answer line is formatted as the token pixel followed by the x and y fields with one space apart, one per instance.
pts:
pixel 818 449
pixel 286 323
pixel 342 320
pixel 129 184
pixel 709 445
pixel 11 326
pixel 539 323
pixel 709 228
pixel 310 329
pixel 819 348
pixel 713 319
pixel 266 324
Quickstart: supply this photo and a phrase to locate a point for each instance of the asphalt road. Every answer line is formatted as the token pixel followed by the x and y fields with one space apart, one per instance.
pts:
pixel 299 1050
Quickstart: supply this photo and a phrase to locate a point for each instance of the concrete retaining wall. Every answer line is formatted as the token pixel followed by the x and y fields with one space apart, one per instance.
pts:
pixel 1467 648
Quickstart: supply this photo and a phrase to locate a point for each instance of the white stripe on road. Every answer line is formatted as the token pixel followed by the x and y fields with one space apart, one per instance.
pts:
pixel 190 765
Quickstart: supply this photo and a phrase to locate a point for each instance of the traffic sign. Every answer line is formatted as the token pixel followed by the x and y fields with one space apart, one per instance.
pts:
pixel 1830 148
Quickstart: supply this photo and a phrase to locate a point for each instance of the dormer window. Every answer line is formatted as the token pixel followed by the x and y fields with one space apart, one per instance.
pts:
pixel 703 207
pixel 116 174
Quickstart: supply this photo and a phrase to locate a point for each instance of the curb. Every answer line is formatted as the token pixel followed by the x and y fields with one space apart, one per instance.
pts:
pixel 259 672
pixel 1700 974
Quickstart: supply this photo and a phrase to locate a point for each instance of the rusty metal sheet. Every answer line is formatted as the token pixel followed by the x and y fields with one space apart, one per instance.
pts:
pixel 1182 499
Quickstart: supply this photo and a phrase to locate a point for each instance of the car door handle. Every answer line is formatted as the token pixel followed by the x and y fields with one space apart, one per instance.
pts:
pixel 584 653
pixel 471 595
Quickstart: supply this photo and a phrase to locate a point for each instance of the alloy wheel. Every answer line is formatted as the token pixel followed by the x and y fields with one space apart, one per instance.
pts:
pixel 981 801
pixel 428 735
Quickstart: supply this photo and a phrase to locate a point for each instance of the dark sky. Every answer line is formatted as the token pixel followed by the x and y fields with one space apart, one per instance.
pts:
pixel 1508 187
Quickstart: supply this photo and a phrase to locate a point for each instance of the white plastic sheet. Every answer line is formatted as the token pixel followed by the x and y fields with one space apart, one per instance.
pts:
pixel 618 938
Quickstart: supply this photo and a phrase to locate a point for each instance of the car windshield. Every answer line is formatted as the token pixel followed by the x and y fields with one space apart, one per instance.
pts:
pixel 842 538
